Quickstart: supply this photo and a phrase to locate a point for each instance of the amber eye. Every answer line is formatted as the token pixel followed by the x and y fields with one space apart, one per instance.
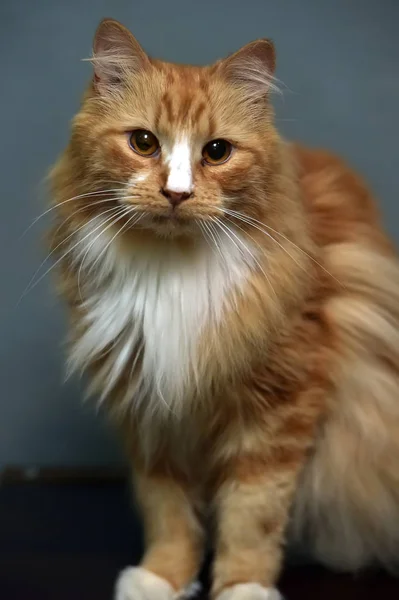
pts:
pixel 217 152
pixel 143 142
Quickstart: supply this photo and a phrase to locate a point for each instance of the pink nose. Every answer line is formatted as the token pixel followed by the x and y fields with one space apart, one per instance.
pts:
pixel 175 198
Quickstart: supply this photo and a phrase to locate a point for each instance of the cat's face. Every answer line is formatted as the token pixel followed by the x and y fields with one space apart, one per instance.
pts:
pixel 180 144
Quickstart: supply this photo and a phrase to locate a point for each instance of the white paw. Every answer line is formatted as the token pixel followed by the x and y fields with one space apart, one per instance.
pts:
pixel 190 592
pixel 249 591
pixel 136 583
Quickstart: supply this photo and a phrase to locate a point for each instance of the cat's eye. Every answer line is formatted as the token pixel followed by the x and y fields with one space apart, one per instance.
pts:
pixel 143 142
pixel 217 152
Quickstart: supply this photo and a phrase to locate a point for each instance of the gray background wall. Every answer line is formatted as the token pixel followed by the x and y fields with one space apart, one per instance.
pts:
pixel 339 60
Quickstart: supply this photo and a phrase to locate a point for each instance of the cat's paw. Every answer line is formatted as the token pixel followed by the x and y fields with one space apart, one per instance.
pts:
pixel 190 592
pixel 249 591
pixel 136 583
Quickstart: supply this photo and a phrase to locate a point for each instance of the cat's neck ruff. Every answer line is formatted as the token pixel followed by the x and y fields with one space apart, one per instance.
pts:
pixel 155 299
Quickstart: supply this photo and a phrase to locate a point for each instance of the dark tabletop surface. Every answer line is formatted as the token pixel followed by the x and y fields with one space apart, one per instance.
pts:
pixel 68 540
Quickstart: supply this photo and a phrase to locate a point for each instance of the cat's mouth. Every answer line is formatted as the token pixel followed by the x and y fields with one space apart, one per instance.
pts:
pixel 169 218
pixel 171 223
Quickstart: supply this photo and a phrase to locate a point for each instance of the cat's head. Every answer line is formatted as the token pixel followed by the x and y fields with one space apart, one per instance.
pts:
pixel 178 144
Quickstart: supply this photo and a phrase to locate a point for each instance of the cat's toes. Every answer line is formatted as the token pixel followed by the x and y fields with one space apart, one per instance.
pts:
pixel 249 591
pixel 136 583
pixel 190 592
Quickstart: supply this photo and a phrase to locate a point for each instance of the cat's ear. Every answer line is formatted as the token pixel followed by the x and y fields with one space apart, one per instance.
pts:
pixel 252 67
pixel 116 54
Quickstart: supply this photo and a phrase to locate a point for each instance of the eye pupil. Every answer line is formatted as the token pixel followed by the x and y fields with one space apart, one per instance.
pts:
pixel 217 151
pixel 143 142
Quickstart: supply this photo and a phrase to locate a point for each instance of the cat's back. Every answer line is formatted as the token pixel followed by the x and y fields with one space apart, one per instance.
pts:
pixel 361 430
pixel 341 207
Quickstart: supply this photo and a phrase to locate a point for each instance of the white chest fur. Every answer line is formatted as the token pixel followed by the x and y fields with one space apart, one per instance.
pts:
pixel 157 300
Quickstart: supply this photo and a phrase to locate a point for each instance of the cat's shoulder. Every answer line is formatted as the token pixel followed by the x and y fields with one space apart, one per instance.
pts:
pixel 339 202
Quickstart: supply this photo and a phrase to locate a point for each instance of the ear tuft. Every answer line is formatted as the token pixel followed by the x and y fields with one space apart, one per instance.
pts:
pixel 116 53
pixel 252 67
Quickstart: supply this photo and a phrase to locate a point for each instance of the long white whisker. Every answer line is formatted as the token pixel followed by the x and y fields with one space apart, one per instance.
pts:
pixel 124 227
pixel 257 262
pixel 216 233
pixel 226 231
pixel 79 228
pixel 56 248
pixel 248 221
pixel 103 251
pixel 251 254
pixel 212 235
pixel 117 198
pixel 28 289
pixel 209 237
pixel 121 213
pixel 204 233
pixel 87 207
pixel 119 232
pixel 82 209
pixel 96 193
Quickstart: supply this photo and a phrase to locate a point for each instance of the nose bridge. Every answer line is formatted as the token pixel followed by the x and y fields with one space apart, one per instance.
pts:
pixel 179 167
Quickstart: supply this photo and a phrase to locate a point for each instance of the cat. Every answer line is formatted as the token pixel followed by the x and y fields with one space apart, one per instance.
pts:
pixel 235 302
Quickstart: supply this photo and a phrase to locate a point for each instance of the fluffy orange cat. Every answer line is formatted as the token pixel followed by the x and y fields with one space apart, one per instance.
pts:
pixel 236 304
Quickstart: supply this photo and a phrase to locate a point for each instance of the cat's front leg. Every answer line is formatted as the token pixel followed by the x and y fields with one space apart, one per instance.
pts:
pixel 173 538
pixel 252 506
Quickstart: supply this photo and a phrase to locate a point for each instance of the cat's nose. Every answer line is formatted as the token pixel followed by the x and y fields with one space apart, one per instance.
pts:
pixel 175 198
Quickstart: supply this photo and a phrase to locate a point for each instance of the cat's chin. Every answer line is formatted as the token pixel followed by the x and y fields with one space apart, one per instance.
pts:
pixel 167 226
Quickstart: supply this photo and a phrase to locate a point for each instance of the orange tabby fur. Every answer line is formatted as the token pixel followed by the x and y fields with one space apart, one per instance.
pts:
pixel 289 414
